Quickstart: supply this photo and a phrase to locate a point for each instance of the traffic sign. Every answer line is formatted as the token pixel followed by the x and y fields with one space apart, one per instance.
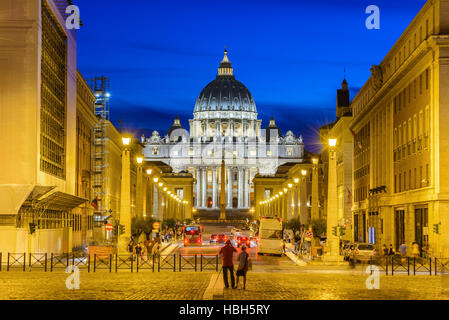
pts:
pixel 309 234
pixel 108 227
pixel 156 225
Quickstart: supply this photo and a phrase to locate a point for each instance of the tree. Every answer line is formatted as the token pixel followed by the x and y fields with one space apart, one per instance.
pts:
pixel 318 227
pixel 188 221
pixel 137 226
pixel 294 224
pixel 170 223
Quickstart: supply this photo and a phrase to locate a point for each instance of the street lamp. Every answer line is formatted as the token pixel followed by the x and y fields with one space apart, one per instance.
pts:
pixel 290 185
pixel 160 184
pixel 139 160
pixel 304 173
pixel 332 205
pixel 165 189
pixel 315 161
pixel 155 179
pixel 296 180
pixel 126 141
pixel 149 171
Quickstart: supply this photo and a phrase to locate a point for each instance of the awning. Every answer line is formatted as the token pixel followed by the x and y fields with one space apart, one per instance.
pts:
pixel 60 201
pixel 12 197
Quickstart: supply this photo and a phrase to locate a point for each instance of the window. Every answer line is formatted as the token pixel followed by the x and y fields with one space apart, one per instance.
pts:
pixel 191 151
pixel 409 179
pixel 53 97
pixel 155 151
pixel 415 126
pixel 427 124
pixel 420 126
pixel 420 176
pixel 268 152
pixel 414 184
pixel 400 182
pixel 395 183
pixel 289 151
pixel 427 175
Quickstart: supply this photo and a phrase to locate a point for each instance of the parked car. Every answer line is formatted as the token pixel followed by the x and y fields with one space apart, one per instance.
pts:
pixel 362 252
pixel 323 241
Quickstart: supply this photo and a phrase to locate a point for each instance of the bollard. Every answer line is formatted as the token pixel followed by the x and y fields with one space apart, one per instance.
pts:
pixel 158 263
pixel 216 263
pixel 201 263
pixel 7 266
pixel 153 262
pixel 24 262
pixel 180 263
pixel 45 261
pixel 0 261
pixel 430 266
pixel 132 262
pixel 110 262
pixel 195 262
pixel 116 262
pixel 174 263
pixel 73 260
pixel 137 262
pixel 88 262
pixel 392 266
pixel 408 265
pixel 414 265
pixel 95 261
pixel 51 263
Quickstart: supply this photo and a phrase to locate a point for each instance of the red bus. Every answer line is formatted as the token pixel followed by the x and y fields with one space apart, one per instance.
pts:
pixel 193 235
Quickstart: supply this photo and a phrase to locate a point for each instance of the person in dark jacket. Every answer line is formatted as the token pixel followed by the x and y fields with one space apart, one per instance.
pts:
pixel 228 265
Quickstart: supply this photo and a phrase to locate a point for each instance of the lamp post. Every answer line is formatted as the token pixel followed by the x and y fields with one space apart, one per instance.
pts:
pixel 332 210
pixel 139 187
pixel 304 214
pixel 125 196
pixel 296 199
pixel 315 210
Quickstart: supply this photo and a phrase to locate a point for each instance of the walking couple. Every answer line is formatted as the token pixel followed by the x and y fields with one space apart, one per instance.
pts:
pixel 228 264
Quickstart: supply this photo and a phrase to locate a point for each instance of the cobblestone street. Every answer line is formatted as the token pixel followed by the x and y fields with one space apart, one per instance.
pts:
pixel 191 285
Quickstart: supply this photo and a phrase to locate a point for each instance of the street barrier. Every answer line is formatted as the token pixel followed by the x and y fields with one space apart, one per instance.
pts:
pixel 50 262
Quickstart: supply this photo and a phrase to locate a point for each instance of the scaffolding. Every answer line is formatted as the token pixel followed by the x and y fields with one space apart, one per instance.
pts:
pixel 100 86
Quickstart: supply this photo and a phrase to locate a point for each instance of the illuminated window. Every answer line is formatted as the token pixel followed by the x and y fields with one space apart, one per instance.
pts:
pixel 290 152
pixel 191 151
pixel 155 151
pixel 268 152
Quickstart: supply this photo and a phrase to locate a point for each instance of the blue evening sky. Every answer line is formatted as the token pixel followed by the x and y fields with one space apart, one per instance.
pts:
pixel 290 54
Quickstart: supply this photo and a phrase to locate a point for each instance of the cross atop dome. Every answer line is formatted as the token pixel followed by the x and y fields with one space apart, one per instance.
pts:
pixel 225 68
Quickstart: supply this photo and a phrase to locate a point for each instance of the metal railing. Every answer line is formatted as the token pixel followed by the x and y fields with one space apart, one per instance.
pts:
pixel 392 265
pixel 50 262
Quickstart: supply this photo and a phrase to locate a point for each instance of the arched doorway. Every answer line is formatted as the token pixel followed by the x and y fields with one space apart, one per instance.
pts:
pixel 234 202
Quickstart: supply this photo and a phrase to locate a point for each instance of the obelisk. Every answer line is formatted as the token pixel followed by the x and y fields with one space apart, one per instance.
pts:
pixel 222 192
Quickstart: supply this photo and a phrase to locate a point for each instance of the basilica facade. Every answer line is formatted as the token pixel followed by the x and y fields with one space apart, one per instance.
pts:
pixel 224 129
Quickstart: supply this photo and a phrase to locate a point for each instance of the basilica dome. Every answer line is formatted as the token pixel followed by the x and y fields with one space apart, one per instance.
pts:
pixel 225 94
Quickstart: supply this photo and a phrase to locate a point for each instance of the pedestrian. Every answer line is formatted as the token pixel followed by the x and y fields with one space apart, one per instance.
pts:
pixel 415 249
pixel 242 269
pixel 297 239
pixel 228 265
pixel 155 249
pixel 391 250
pixel 283 247
pixel 384 250
pixel 130 247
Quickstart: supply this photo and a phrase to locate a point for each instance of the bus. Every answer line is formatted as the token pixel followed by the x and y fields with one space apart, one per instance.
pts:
pixel 193 235
pixel 270 236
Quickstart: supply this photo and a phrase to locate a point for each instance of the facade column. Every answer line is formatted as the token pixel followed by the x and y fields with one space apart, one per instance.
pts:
pixel 289 203
pixel 214 187
pixel 198 187
pixel 125 200
pixel 240 189
pixel 304 213
pixel 145 195
pixel 332 208
pixel 229 187
pixel 315 209
pixel 295 200
pixel 155 202
pixel 246 191
pixel 139 191
pixel 204 187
